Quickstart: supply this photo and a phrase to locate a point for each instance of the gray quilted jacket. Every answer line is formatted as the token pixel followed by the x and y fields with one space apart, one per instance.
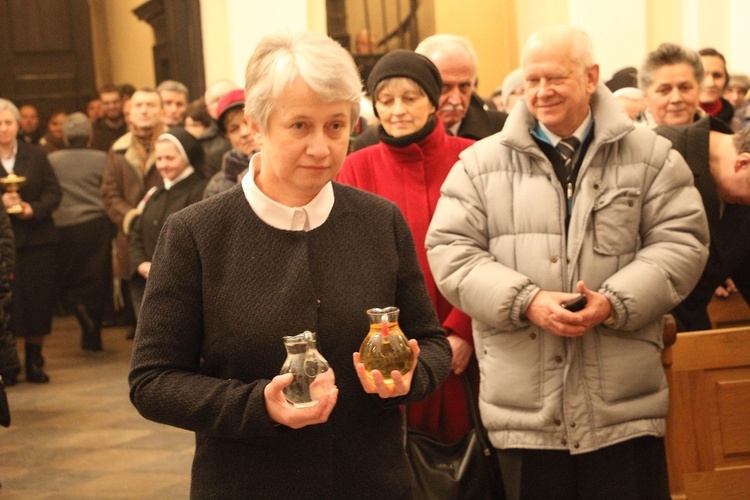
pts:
pixel 638 234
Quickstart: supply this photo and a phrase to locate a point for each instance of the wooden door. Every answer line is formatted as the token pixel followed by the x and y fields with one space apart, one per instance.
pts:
pixel 45 54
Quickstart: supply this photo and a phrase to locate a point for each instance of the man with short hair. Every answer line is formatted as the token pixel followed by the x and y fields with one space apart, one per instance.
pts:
pixel 111 126
pixel 130 172
pixel 28 127
pixel 720 161
pixel 85 248
pixel 174 99
pixel 462 111
pixel 566 238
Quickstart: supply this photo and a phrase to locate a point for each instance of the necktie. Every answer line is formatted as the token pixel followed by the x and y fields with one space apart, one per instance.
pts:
pixel 567 148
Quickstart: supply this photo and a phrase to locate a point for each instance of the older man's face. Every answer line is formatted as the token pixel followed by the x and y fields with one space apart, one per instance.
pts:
pixel 457 71
pixel 558 89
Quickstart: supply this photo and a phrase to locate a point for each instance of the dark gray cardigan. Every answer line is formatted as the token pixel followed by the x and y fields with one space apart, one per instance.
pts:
pixel 223 290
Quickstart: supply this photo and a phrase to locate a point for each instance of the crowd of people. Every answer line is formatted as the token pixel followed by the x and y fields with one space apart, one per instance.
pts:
pixel 479 218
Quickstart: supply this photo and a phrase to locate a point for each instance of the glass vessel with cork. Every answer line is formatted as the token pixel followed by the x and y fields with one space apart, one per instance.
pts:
pixel 386 347
pixel 313 376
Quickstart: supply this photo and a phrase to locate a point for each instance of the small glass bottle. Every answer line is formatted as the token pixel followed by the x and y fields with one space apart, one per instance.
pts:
pixel 313 376
pixel 385 348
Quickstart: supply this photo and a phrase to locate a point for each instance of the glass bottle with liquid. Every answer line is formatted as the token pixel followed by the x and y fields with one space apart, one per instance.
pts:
pixel 385 348
pixel 313 376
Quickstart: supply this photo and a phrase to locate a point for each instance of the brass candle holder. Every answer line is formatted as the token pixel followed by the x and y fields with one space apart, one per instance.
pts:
pixel 11 184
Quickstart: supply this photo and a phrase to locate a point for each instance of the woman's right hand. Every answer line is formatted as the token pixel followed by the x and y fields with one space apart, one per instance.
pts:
pixel 281 412
pixel 11 199
pixel 144 268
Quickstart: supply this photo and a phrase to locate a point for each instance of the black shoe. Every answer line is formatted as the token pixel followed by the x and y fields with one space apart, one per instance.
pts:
pixel 35 374
pixel 34 363
pixel 9 380
pixel 92 341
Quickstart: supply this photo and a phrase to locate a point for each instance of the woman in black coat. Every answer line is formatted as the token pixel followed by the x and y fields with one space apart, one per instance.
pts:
pixel 177 156
pixel 35 236
pixel 287 250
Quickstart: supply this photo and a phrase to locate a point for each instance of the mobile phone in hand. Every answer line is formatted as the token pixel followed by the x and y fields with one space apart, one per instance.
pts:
pixel 576 304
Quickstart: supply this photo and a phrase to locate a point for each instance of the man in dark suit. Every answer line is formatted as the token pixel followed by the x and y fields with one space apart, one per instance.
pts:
pixel 462 111
pixel 720 162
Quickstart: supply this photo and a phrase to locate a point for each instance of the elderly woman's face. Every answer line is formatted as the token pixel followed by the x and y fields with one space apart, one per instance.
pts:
pixel 304 144
pixel 169 161
pixel 403 107
pixel 8 127
pixel 673 94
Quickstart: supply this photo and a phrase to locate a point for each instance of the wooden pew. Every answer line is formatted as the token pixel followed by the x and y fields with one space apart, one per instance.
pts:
pixel 708 426
pixel 728 312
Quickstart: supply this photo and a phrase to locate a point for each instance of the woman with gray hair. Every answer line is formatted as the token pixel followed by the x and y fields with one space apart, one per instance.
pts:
pixel 670 78
pixel 36 238
pixel 286 251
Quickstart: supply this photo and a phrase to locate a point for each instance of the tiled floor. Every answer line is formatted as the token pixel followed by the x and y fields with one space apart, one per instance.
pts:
pixel 79 437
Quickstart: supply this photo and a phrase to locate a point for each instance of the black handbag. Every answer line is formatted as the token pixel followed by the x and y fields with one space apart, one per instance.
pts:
pixel 464 470
pixel 4 408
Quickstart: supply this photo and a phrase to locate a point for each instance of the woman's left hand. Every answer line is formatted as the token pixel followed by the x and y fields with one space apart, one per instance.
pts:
pixel 401 383
pixel 281 412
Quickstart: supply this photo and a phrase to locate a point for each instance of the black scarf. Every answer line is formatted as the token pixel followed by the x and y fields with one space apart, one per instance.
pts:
pixel 406 140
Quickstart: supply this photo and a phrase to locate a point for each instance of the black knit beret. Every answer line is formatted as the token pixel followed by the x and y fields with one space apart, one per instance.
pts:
pixel 410 65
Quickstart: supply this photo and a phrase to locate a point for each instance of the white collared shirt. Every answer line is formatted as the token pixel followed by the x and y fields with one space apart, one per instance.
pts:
pixel 305 218
pixel 9 163
pixel 184 175
pixel 580 132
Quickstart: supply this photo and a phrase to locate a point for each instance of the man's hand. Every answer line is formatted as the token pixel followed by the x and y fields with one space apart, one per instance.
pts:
pixel 726 289
pixel 545 310
pixel 281 412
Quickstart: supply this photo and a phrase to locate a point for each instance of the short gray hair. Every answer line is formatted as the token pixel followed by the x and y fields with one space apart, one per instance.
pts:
pixel 173 86
pixel 76 127
pixel 443 41
pixel 6 105
pixel 668 54
pixel 581 46
pixel 280 59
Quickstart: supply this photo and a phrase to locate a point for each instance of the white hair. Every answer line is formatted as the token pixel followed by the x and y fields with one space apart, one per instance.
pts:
pixel 6 105
pixel 445 42
pixel 581 47
pixel 280 59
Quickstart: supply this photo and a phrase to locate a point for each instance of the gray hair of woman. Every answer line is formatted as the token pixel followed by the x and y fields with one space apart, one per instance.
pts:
pixel 280 59
pixel 668 54
pixel 6 105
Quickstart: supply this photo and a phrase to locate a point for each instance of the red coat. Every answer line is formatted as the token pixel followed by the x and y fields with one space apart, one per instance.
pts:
pixel 411 177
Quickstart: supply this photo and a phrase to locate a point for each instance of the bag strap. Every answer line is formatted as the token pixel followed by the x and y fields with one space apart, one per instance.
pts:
pixel 471 405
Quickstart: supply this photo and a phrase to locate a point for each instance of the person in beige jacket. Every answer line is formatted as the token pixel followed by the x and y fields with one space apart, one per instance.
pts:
pixel 129 173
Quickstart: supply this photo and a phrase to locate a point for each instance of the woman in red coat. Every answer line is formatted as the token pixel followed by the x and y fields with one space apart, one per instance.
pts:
pixel 408 166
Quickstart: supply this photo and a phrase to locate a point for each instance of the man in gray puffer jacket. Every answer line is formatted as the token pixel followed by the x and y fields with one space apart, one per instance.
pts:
pixel 573 401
